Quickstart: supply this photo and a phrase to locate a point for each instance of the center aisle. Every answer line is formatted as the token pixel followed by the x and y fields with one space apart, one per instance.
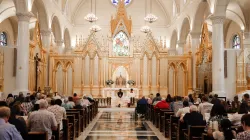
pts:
pixel 119 124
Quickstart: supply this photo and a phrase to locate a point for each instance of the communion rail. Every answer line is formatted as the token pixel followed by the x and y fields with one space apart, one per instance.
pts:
pixel 103 102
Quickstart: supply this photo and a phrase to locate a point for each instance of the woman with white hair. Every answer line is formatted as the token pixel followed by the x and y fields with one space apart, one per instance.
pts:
pixel 193 118
pixel 66 104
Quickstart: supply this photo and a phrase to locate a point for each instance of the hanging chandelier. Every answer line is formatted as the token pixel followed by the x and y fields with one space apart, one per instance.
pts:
pixel 91 17
pixel 150 18
pixel 145 29
pixel 95 28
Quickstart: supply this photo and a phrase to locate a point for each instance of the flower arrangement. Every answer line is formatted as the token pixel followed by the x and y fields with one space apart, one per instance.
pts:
pixel 109 82
pixel 131 82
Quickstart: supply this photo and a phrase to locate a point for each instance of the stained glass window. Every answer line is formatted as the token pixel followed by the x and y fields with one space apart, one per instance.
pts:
pixel 3 39
pixel 236 42
pixel 115 2
pixel 121 44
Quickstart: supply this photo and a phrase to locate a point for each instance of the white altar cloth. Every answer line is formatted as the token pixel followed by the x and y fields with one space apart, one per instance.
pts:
pixel 112 92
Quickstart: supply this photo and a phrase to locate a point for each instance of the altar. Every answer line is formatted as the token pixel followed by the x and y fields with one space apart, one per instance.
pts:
pixel 112 92
pixel 115 100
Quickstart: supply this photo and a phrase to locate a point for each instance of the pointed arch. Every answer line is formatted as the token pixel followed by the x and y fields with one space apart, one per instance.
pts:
pixel 39 8
pixel 173 39
pixel 185 29
pixel 56 28
pixel 67 40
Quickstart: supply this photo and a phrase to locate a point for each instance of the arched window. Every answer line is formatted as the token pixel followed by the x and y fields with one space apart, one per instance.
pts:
pixel 115 2
pixel 3 39
pixel 121 44
pixel 236 42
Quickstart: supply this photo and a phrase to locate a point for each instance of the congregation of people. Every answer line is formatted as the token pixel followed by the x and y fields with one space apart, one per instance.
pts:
pixel 223 120
pixel 36 113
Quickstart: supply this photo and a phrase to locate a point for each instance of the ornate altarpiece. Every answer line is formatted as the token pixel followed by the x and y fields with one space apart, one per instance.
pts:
pixel 148 63
pixel 204 63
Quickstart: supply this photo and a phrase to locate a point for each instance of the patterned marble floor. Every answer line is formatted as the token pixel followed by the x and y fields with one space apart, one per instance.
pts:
pixel 119 125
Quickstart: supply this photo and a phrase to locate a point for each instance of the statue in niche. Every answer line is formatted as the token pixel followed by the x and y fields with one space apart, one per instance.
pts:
pixel 120 81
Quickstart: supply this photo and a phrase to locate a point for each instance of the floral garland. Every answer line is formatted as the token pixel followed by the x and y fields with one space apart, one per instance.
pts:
pixel 109 82
pixel 131 82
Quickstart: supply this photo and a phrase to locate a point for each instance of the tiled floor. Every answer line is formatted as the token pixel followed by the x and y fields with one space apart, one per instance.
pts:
pixel 119 124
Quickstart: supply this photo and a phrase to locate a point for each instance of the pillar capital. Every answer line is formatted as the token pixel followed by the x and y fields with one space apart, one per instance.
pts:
pixel 181 43
pixel 218 19
pixel 59 42
pixel 24 16
pixel 195 35
pixel 45 32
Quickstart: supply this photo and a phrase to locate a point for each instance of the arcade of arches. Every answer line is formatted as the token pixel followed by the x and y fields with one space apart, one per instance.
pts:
pixel 194 45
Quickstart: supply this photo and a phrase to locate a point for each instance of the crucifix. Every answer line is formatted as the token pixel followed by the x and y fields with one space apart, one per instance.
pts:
pixel 37 60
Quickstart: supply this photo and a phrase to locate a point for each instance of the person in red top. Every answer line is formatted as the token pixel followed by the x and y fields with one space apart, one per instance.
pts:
pixel 75 98
pixel 162 105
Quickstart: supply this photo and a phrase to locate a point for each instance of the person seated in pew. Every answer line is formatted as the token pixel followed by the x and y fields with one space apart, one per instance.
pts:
pixel 18 121
pixel 193 118
pixel 66 104
pixel 182 111
pixel 224 133
pixel 235 103
pixel 178 104
pixel 245 122
pixel 186 98
pixel 205 106
pixel 75 97
pixel 42 120
pixel 217 114
pixel 7 130
pixel 85 101
pixel 58 111
pixel 215 99
pixel 141 107
pixel 236 118
pixel 78 105
pixel 163 104
pixel 71 101
pixel 156 99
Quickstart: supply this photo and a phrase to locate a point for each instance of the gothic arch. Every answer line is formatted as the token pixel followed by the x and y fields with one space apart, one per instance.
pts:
pixel 67 40
pixel 185 29
pixel 202 10
pixel 56 28
pixel 173 39
pixel 39 7
pixel 21 6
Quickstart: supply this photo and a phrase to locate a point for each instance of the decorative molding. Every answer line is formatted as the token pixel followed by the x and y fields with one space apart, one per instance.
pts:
pixel 45 32
pixel 217 19
pixel 24 16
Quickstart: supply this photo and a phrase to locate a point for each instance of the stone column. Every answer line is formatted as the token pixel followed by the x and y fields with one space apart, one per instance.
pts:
pixel 195 44
pixel 218 56
pixel 22 68
pixel 59 44
pixel 45 35
pixel 180 49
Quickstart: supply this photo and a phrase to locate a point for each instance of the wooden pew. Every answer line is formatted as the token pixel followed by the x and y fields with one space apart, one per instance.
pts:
pixel 81 111
pixel 151 113
pixel 162 119
pixel 77 122
pixel 206 137
pixel 38 136
pixel 181 129
pixel 66 129
pixel 194 133
pixel 167 125
pixel 173 123
pixel 57 133
pixel 71 119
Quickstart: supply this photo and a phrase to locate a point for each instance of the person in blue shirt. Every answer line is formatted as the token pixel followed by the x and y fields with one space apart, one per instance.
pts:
pixel 7 131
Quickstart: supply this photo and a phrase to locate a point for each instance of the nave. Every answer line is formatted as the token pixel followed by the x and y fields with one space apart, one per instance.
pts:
pixel 120 124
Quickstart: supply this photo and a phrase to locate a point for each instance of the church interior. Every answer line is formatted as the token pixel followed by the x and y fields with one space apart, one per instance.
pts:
pixel 142 47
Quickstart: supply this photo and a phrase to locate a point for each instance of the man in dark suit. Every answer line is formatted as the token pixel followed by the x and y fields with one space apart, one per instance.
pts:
pixel 120 94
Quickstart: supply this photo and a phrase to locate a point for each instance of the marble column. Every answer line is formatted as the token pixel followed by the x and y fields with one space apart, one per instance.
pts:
pixel 45 35
pixel 180 49
pixel 195 44
pixel 218 56
pixel 59 44
pixel 22 68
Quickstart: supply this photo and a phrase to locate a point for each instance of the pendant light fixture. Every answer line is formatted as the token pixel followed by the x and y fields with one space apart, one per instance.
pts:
pixel 150 17
pixel 91 17
pixel 95 28
pixel 145 28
